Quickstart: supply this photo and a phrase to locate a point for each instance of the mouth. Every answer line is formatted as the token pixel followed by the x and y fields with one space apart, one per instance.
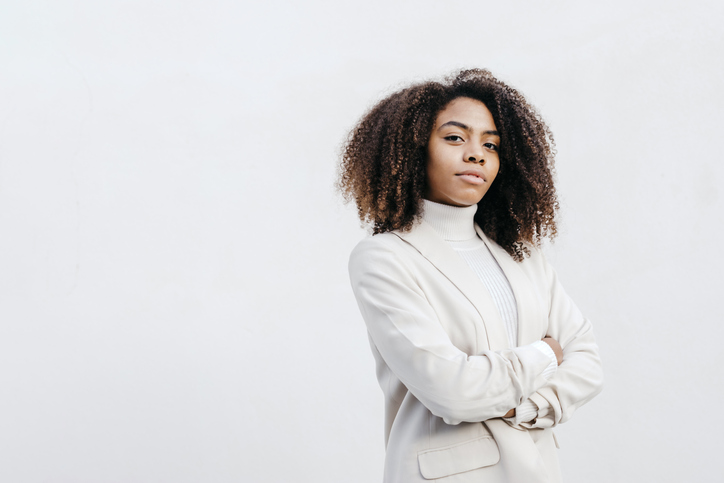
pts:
pixel 472 177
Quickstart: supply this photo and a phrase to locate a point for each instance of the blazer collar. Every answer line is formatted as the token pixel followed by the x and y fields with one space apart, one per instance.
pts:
pixel 437 251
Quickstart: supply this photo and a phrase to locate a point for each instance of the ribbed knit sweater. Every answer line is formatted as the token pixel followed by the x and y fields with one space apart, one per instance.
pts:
pixel 457 227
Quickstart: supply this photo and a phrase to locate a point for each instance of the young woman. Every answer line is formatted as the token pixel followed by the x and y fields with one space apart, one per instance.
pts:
pixel 479 350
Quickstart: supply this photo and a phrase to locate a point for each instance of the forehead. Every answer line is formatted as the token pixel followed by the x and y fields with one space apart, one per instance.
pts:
pixel 469 111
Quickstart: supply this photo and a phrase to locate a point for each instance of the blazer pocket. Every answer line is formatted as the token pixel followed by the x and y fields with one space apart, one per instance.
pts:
pixel 458 458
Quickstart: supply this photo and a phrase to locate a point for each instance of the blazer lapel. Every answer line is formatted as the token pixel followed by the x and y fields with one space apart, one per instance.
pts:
pixel 438 252
pixel 530 311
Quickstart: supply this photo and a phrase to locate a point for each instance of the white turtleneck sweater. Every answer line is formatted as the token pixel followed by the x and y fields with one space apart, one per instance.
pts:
pixel 457 227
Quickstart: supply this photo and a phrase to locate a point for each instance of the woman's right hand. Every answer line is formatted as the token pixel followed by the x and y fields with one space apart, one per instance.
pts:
pixel 556 348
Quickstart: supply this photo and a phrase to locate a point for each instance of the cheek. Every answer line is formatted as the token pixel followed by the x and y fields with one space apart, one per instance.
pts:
pixel 432 178
pixel 432 167
pixel 495 167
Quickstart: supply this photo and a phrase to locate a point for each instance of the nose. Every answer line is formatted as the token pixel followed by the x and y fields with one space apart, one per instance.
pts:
pixel 475 156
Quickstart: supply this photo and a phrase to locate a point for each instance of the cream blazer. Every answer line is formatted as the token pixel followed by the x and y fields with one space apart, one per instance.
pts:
pixel 445 366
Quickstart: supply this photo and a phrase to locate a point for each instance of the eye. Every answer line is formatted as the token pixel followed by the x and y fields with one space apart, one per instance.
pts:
pixel 491 146
pixel 454 138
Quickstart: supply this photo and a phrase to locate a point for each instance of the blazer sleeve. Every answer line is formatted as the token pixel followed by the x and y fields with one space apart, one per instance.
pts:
pixel 579 378
pixel 406 331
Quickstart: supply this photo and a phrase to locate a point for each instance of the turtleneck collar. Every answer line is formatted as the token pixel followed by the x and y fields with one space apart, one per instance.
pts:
pixel 452 223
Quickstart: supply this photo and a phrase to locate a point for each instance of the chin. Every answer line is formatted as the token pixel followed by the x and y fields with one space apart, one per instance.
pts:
pixel 465 203
pixel 471 201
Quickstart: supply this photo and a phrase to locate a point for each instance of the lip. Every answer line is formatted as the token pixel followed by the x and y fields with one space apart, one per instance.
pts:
pixel 472 176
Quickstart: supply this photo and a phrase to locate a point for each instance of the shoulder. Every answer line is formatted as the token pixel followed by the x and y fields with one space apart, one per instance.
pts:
pixel 536 260
pixel 381 241
pixel 537 267
pixel 377 247
pixel 384 254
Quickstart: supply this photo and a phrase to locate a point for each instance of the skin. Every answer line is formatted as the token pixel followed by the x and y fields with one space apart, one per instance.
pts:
pixel 463 140
pixel 463 161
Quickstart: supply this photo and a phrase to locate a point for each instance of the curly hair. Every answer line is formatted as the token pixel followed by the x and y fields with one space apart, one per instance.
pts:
pixel 383 162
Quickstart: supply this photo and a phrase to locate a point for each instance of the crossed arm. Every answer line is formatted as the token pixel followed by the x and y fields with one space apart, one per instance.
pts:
pixel 460 387
pixel 558 351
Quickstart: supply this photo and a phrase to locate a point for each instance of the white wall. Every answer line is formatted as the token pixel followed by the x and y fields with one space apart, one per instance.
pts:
pixel 174 302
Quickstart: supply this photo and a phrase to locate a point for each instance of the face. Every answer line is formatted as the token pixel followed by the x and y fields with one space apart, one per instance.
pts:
pixel 462 155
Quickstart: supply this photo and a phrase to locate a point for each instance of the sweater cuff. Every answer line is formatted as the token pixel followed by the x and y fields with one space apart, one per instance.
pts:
pixel 544 415
pixel 546 349
pixel 524 413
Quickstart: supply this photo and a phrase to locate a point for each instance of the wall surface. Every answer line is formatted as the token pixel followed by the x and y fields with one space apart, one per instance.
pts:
pixel 174 300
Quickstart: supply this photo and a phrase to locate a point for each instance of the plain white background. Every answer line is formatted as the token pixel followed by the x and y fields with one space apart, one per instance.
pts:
pixel 174 300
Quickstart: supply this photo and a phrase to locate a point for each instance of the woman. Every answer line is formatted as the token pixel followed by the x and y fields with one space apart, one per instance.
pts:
pixel 479 350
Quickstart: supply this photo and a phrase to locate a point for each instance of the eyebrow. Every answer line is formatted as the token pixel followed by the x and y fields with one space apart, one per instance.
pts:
pixel 466 127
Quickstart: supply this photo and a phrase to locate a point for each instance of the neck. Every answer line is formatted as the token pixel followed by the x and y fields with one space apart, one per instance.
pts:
pixel 452 223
